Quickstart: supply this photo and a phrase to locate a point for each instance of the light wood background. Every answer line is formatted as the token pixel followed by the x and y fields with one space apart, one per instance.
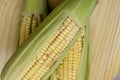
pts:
pixel 104 36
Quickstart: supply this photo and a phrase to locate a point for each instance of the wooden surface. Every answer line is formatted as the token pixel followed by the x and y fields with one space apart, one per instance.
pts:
pixel 104 36
pixel 105 40
pixel 9 18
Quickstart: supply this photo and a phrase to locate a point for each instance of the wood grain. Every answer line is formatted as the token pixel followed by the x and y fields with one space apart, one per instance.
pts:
pixel 104 36
pixel 105 41
pixel 9 18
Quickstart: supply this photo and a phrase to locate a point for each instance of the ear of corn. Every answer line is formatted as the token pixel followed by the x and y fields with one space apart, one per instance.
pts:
pixel 52 50
pixel 75 65
pixel 44 50
pixel 34 12
pixel 69 67
pixel 42 57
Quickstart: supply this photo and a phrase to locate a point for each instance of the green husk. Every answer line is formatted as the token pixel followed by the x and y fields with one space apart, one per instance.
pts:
pixel 23 56
pixel 83 68
pixel 35 7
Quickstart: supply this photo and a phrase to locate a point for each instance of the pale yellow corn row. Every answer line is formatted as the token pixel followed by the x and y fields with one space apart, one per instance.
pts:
pixel 28 25
pixel 36 20
pixel 52 50
pixel 68 69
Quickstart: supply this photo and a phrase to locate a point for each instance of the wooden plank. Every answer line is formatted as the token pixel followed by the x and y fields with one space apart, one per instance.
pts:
pixel 105 41
pixel 9 20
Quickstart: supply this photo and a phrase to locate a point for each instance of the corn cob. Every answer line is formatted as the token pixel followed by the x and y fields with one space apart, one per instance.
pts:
pixel 31 17
pixel 28 25
pixel 69 67
pixel 51 43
